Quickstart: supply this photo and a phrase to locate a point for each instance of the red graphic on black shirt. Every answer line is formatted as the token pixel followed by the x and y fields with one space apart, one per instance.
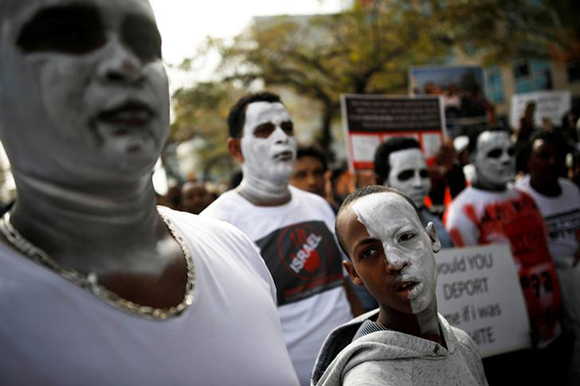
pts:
pixel 303 259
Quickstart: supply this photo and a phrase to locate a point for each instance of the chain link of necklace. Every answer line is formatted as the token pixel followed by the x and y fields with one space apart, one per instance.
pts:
pixel 90 283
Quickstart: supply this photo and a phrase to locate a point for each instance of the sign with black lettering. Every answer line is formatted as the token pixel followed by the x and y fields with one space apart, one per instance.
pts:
pixel 478 290
pixel 370 120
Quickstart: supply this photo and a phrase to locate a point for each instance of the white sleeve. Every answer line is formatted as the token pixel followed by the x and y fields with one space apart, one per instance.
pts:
pixel 462 229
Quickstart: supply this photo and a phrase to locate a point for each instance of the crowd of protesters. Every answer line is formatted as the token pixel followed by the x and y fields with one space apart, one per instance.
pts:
pixel 302 274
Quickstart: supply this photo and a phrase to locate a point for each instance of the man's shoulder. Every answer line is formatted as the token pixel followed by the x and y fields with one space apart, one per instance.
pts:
pixel 224 206
pixel 311 200
pixel 569 187
pixel 198 226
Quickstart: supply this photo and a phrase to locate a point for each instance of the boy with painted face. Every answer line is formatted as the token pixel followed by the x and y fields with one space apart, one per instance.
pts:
pixel 492 211
pixel 292 228
pixel 98 285
pixel 400 164
pixel 405 341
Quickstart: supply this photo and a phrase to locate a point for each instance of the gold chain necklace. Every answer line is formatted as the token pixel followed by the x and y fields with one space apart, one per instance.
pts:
pixel 89 282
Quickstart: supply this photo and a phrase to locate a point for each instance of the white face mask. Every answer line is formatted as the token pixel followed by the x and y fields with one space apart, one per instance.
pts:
pixel 388 217
pixel 494 160
pixel 269 149
pixel 83 92
pixel 409 174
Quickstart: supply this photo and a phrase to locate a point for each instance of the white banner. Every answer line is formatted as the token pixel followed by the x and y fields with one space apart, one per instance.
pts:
pixel 549 104
pixel 478 290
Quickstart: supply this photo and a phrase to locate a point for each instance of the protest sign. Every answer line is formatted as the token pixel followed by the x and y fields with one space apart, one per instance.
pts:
pixel 460 87
pixel 552 105
pixel 478 290
pixel 372 119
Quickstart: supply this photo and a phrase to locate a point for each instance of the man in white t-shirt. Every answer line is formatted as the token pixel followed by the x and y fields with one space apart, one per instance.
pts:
pixel 98 286
pixel 492 211
pixel 559 203
pixel 292 228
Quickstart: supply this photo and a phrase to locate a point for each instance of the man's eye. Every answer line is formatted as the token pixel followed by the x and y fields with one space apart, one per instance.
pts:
pixel 495 153
pixel 142 36
pixel 299 175
pixel 407 236
pixel 405 175
pixel 264 130
pixel 70 29
pixel 424 173
pixel 368 253
pixel 511 151
pixel 287 127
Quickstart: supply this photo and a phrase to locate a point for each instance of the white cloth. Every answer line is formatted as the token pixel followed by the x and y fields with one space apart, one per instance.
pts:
pixel 562 217
pixel 297 242
pixel 396 359
pixel 54 333
pixel 478 217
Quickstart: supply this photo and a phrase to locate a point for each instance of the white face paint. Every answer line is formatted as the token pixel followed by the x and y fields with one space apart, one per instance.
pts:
pixel 408 248
pixel 409 174
pixel 494 160
pixel 83 92
pixel 269 150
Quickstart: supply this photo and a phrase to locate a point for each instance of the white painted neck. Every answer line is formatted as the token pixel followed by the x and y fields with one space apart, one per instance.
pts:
pixel 91 228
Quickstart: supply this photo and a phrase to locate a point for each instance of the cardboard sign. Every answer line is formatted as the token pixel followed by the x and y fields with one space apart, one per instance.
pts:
pixel 371 119
pixel 552 105
pixel 478 290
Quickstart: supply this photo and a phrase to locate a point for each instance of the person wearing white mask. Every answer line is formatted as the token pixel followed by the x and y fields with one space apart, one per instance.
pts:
pixel 98 285
pixel 400 164
pixel 493 211
pixel 293 229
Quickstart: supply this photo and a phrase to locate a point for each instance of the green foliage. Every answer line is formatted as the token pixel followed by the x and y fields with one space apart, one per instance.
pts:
pixel 507 30
pixel 201 112
pixel 363 50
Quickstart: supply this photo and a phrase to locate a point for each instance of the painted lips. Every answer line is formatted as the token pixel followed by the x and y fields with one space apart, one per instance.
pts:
pixel 408 290
pixel 131 114
pixel 284 156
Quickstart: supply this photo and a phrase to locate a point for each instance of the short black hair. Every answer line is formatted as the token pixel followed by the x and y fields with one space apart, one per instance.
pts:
pixel 382 166
pixel 362 192
pixel 237 115
pixel 314 152
pixel 472 146
pixel 549 136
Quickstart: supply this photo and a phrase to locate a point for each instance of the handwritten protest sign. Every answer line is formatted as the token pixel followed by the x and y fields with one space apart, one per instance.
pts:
pixel 372 119
pixel 552 105
pixel 478 291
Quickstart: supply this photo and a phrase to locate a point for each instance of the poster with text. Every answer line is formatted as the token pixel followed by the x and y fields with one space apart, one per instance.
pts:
pixel 551 105
pixel 478 290
pixel 370 120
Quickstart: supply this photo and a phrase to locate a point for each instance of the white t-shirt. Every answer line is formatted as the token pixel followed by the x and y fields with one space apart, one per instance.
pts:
pixel 55 333
pixel 297 242
pixel 562 217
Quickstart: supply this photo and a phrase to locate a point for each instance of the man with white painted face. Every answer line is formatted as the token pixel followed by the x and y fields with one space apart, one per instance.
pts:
pixel 292 228
pixel 492 211
pixel 405 341
pixel 98 286
pixel 400 164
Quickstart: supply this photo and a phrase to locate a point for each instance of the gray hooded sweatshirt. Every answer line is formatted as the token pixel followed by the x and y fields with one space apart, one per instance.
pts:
pixel 393 358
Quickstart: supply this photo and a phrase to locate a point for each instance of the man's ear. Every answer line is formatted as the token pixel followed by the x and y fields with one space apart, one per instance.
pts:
pixel 235 148
pixel 347 264
pixel 432 232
